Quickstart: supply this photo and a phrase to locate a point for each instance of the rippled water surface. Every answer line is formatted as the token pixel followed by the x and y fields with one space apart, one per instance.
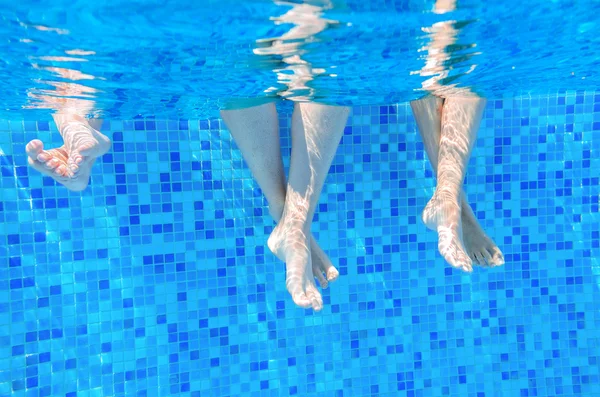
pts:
pixel 188 58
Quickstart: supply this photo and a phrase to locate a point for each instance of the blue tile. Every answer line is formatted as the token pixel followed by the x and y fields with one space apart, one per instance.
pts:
pixel 157 276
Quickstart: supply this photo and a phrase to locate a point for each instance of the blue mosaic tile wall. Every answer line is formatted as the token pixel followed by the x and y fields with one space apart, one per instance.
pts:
pixel 156 281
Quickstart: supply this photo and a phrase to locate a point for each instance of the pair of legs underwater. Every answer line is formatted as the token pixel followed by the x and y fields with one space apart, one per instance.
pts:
pixel 449 128
pixel 316 133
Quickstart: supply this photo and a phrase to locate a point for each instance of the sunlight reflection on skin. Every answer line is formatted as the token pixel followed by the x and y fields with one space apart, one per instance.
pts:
pixel 256 132
pixel 70 164
pixel 448 122
pixel 316 132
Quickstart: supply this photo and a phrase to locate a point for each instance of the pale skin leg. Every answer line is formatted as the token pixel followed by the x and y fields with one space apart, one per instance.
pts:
pixel 460 118
pixel 480 248
pixel 256 132
pixel 316 132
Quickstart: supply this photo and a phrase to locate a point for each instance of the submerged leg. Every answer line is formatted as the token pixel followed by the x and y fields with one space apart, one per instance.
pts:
pixel 316 133
pixel 460 122
pixel 71 164
pixel 481 249
pixel 256 133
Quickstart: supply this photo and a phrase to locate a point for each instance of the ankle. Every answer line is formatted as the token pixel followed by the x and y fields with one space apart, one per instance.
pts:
pixel 276 210
pixel 447 194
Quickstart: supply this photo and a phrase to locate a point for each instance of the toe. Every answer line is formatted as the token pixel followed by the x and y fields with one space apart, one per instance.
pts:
pixel 295 275
pixel 461 261
pixel 33 148
pixel 467 266
pixel 75 158
pixel 332 274
pixel 497 257
pixel 52 163
pixel 315 297
pixel 300 299
pixel 476 258
pixel 488 258
pixel 320 277
pixel 61 170
pixel 322 262
pixel 481 258
pixel 43 157
pixel 294 287
pixel 74 162
pixel 36 165
pixel 467 263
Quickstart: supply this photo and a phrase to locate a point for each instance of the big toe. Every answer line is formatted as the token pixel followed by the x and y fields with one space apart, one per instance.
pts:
pixel 34 148
pixel 300 298
pixel 316 300
pixel 294 282
pixel 332 274
pixel 497 257
pixel 461 261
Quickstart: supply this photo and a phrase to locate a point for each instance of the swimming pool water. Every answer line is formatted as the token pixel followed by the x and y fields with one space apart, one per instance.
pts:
pixel 186 59
pixel 156 280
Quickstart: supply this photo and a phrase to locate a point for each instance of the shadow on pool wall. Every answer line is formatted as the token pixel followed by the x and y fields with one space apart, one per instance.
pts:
pixel 156 279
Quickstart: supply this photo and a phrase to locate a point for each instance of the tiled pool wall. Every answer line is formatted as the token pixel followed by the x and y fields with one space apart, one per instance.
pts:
pixel 156 279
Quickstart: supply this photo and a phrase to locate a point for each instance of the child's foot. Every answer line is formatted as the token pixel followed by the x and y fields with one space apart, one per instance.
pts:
pixel 71 164
pixel 444 217
pixel 479 246
pixel 291 244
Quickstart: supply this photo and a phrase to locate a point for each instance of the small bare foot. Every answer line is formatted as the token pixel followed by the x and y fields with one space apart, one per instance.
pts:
pixel 444 217
pixel 71 164
pixel 322 267
pixel 479 246
pixel 291 244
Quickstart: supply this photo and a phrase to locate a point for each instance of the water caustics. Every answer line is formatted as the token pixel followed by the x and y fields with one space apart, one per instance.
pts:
pixel 68 92
pixel 346 52
pixel 445 59
pixel 295 72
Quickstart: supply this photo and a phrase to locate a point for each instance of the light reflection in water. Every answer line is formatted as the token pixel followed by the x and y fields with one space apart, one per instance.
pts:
pixel 441 54
pixel 67 93
pixel 296 72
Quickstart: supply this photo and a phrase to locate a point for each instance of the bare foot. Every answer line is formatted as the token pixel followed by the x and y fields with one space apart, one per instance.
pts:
pixel 71 164
pixel 290 243
pixel 444 217
pixel 481 249
pixel 322 268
